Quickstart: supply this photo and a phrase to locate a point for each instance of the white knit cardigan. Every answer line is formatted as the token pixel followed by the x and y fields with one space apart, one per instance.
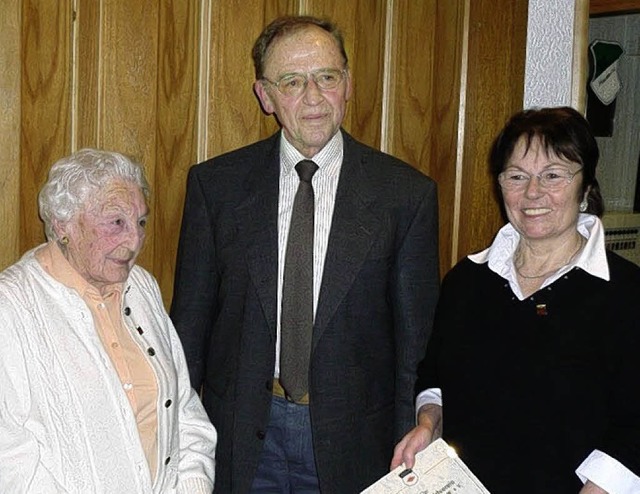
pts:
pixel 66 425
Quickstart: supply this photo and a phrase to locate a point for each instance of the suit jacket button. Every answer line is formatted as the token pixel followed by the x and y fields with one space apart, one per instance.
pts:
pixel 260 435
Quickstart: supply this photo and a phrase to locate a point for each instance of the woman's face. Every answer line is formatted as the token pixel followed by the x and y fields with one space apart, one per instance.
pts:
pixel 106 236
pixel 535 211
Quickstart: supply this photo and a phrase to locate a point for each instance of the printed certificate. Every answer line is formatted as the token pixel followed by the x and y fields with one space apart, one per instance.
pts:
pixel 437 470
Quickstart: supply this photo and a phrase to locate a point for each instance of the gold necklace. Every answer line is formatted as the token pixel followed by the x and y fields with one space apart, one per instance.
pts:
pixel 547 273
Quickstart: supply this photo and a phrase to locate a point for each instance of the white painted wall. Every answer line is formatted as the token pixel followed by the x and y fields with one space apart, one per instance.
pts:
pixel 549 58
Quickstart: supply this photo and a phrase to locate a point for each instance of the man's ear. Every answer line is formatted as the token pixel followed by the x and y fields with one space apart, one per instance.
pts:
pixel 349 86
pixel 264 97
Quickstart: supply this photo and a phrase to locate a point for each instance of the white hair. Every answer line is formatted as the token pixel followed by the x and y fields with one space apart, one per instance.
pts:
pixel 75 178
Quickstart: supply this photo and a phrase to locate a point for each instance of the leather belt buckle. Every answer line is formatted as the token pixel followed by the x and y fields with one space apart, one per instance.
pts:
pixel 279 391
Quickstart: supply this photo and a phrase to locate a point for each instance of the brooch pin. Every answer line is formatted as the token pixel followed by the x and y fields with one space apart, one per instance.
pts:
pixel 541 309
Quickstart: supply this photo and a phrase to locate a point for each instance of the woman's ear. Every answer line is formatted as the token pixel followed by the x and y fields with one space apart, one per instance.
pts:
pixel 59 228
pixel 584 204
pixel 585 198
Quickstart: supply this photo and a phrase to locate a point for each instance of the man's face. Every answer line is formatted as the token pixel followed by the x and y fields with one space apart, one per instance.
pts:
pixel 310 119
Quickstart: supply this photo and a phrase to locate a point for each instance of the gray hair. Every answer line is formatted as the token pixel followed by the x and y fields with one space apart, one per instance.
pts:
pixel 75 178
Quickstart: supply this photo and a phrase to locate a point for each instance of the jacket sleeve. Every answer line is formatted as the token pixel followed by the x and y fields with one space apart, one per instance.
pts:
pixel 21 466
pixel 415 291
pixel 196 279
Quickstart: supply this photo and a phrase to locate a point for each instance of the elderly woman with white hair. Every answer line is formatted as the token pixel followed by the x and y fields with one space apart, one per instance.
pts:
pixel 95 394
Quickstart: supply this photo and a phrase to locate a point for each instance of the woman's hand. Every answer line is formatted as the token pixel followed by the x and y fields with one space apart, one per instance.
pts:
pixel 429 428
pixel 591 488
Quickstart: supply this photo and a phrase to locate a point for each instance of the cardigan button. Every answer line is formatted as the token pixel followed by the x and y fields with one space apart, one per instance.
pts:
pixel 127 311
pixel 151 351
pixel 167 460
pixel 167 403
pixel 260 435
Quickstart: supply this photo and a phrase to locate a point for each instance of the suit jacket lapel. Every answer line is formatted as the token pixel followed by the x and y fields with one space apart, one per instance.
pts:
pixel 258 224
pixel 352 229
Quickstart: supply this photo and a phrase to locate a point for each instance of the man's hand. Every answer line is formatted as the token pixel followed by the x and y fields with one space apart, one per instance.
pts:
pixel 429 428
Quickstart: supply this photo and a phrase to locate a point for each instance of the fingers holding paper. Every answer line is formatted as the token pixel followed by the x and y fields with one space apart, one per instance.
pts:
pixel 429 428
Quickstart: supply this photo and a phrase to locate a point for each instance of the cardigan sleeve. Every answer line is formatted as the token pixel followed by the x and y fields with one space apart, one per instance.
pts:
pixel 21 467
pixel 198 437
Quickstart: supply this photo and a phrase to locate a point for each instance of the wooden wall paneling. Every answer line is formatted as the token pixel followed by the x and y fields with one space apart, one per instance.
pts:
pixel 411 65
pixel 45 104
pixel 423 98
pixel 128 91
pixel 10 132
pixel 235 117
pixel 580 56
pixel 607 7
pixel 363 24
pixel 87 67
pixel 495 86
pixel 177 126
pixel 271 10
pixel 366 42
pixel 447 101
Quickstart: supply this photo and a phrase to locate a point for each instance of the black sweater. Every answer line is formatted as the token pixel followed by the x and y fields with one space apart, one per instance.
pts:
pixel 530 388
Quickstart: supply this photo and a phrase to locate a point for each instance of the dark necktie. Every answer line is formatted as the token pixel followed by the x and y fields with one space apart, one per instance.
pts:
pixel 297 289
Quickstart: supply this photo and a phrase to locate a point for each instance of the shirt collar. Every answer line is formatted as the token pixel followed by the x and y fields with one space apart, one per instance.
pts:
pixel 328 158
pixel 592 259
pixel 53 261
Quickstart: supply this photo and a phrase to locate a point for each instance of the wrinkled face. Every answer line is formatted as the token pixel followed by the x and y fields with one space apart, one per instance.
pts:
pixel 105 237
pixel 311 119
pixel 536 212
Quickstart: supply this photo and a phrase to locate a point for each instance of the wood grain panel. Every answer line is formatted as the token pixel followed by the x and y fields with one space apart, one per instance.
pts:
pixel 235 117
pixel 597 7
pixel 45 104
pixel 272 9
pixel 170 83
pixel 9 131
pixel 178 46
pixel 128 58
pixel 495 82
pixel 446 103
pixel 412 73
pixel 86 98
pixel 363 24
pixel 427 134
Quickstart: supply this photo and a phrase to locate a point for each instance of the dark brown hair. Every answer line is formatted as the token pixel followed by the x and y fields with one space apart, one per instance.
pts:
pixel 283 26
pixel 562 130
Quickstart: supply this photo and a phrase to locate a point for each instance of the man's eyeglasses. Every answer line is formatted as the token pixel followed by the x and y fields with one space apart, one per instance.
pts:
pixel 295 84
pixel 551 179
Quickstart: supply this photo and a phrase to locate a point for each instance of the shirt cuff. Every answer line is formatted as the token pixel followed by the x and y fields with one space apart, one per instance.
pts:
pixel 431 396
pixel 608 474
pixel 195 485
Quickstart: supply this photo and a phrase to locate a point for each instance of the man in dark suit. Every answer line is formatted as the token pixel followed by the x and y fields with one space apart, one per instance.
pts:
pixel 331 423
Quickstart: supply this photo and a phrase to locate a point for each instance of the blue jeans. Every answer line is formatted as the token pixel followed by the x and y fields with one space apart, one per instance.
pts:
pixel 287 464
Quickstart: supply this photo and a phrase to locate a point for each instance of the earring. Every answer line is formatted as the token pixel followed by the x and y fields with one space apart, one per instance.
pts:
pixel 64 240
pixel 584 205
